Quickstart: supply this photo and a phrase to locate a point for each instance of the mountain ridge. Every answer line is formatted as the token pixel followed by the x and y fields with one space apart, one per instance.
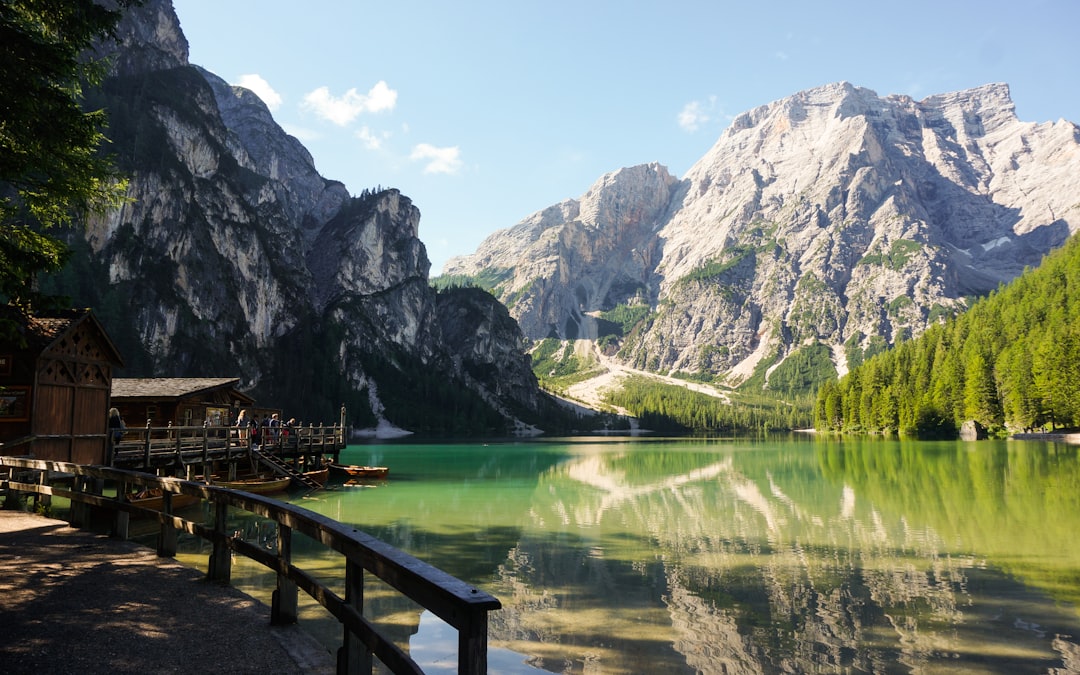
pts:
pixel 831 216
pixel 232 256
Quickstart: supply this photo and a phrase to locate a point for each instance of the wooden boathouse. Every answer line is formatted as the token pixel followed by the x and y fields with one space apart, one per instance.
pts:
pixel 55 382
pixel 179 401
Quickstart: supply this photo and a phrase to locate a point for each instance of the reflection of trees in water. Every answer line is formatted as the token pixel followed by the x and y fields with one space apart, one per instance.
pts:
pixel 788 573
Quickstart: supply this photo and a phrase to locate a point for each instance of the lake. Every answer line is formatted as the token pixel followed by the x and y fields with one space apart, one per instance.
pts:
pixel 727 556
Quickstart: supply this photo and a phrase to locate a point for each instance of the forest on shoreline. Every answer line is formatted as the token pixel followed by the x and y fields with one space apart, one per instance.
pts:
pixel 1011 364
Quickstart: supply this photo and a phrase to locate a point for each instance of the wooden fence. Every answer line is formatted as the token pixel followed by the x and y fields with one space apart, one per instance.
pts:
pixel 460 605
pixel 154 447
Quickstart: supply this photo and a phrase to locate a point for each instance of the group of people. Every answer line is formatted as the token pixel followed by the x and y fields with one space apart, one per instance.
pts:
pixel 269 430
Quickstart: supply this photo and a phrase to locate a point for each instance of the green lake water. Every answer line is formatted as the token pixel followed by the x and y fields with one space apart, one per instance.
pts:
pixel 725 556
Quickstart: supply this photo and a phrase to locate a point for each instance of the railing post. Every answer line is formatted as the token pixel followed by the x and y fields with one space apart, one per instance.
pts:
pixel 472 644
pixel 146 448
pixel 220 566
pixel 339 438
pixel 283 604
pixel 353 657
pixel 42 502
pixel 122 517
pixel 78 512
pixel 167 535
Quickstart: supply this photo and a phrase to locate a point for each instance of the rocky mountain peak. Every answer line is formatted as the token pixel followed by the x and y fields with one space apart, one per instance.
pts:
pixel 149 39
pixel 234 257
pixel 832 216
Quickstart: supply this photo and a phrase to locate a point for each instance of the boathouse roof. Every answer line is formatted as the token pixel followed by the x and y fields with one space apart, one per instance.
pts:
pixel 44 331
pixel 159 388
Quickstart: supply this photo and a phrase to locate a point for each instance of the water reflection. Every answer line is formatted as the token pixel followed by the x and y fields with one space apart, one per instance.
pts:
pixel 643 557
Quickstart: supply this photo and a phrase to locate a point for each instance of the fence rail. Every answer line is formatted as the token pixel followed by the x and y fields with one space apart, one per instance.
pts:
pixel 459 604
pixel 149 447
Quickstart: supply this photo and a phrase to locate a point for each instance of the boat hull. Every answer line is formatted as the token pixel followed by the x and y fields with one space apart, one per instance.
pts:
pixel 261 486
pixel 320 476
pixel 354 471
pixel 156 502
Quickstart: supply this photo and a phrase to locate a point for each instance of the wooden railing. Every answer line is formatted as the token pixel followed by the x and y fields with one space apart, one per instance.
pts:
pixel 149 446
pixel 459 604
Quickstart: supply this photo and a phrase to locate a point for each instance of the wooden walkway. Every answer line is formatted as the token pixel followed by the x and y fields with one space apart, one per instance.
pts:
pixel 154 448
pixel 76 602
pixel 461 605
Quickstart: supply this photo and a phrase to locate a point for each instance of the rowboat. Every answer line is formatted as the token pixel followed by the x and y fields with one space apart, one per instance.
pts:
pixel 355 471
pixel 261 486
pixel 320 476
pixel 153 499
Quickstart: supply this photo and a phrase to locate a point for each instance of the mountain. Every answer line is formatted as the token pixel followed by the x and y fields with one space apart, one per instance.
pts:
pixel 234 257
pixel 834 217
pixel 1009 364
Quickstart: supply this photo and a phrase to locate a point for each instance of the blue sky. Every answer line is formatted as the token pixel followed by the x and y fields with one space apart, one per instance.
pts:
pixel 483 112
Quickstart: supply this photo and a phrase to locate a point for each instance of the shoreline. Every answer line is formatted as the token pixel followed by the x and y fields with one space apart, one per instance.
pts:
pixel 1070 437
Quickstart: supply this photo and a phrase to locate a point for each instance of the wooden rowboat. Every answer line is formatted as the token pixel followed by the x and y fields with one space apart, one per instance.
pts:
pixel 355 471
pixel 262 486
pixel 320 476
pixel 153 499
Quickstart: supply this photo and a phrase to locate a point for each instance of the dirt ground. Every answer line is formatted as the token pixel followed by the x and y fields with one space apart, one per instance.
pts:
pixel 76 602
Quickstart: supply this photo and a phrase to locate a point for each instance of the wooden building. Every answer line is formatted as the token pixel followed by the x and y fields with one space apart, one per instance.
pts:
pixel 179 401
pixel 55 380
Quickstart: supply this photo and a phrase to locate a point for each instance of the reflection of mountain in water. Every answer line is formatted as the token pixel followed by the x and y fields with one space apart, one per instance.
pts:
pixel 750 562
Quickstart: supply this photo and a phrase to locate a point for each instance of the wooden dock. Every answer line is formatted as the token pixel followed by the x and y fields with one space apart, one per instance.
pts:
pixel 189 451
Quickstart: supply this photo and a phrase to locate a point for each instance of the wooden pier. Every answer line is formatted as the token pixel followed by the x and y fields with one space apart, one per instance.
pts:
pixel 187 452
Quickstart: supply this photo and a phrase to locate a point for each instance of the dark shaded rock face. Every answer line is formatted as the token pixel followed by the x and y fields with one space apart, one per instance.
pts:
pixel 488 345
pixel 972 431
pixel 234 257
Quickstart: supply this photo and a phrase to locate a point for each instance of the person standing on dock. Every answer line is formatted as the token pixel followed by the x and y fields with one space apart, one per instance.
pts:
pixel 274 436
pixel 242 425
pixel 256 433
pixel 116 425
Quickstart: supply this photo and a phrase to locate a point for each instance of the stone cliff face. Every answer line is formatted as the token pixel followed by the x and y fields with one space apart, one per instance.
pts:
pixel 234 257
pixel 833 216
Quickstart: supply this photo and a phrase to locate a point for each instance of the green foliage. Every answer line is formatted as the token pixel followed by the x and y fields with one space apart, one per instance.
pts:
pixel 425 401
pixel 673 409
pixel 557 366
pixel 803 371
pixel 488 279
pixel 757 380
pixel 50 167
pixel 939 313
pixel 711 270
pixel 898 255
pixel 852 351
pixel 1011 362
pixel 899 304
pixel 622 319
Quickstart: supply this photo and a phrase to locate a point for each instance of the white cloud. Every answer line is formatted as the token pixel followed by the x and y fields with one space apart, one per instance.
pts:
pixel 262 89
pixel 697 113
pixel 692 116
pixel 439 160
pixel 341 110
pixel 370 139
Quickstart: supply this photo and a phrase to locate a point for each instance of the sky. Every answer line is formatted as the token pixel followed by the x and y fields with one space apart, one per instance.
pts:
pixel 486 111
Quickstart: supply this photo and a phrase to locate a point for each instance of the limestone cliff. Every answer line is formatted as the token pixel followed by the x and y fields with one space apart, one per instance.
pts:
pixel 833 216
pixel 234 257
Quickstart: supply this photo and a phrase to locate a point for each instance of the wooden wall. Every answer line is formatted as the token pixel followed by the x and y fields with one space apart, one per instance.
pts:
pixel 71 398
